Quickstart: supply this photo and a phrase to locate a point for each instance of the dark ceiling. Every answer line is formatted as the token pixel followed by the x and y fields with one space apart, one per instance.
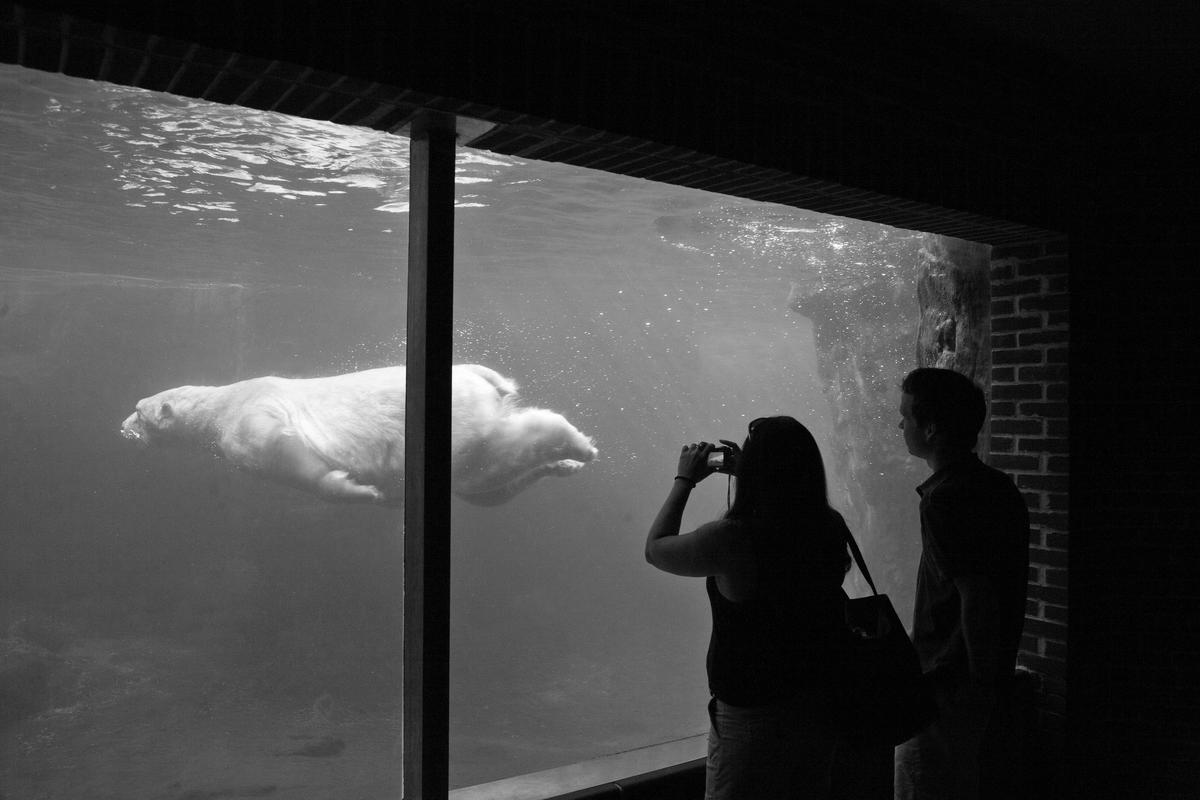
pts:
pixel 1050 88
pixel 1125 42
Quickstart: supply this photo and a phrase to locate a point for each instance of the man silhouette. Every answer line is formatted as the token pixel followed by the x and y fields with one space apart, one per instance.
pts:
pixel 971 583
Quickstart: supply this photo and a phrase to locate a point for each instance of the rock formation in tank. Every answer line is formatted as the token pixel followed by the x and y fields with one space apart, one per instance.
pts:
pixel 863 332
pixel 928 290
pixel 953 292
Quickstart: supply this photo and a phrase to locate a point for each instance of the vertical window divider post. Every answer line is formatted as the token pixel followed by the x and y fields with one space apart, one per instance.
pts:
pixel 426 677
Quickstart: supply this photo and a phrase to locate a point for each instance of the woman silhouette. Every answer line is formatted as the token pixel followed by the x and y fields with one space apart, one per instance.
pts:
pixel 774 566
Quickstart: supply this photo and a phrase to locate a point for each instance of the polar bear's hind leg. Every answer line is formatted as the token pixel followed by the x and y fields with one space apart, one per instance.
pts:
pixel 503 386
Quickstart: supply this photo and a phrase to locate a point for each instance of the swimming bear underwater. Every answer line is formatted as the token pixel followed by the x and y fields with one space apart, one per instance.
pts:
pixel 341 438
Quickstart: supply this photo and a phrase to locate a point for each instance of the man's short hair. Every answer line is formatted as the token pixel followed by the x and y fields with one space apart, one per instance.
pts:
pixel 950 400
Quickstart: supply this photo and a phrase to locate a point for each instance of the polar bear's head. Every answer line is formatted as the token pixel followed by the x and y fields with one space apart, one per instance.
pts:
pixel 161 418
pixel 515 451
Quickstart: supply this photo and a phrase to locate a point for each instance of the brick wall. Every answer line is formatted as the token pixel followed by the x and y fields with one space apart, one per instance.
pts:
pixel 1029 429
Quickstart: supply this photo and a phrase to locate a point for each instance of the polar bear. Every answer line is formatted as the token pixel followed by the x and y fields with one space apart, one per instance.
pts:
pixel 342 437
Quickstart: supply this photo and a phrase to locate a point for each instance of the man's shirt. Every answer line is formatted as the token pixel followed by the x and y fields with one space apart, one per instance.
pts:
pixel 973 522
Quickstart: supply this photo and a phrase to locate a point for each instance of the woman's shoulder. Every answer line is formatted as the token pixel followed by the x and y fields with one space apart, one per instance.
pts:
pixel 725 527
pixel 730 536
pixel 726 523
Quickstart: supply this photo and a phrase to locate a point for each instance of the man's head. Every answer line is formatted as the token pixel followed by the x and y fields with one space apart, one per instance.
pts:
pixel 941 411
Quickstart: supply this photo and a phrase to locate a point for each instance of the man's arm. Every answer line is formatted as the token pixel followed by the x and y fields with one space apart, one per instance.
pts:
pixel 958 538
pixel 979 609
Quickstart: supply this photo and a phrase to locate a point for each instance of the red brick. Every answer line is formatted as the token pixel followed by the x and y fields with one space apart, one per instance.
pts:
pixel 1045 302
pixel 1053 685
pixel 1053 265
pixel 1056 540
pixel 1028 427
pixel 1057 502
pixel 1049 594
pixel 1001 308
pixel 1004 340
pixel 1001 444
pixel 1058 319
pixel 1049 519
pixel 1059 283
pixel 1014 288
pixel 1043 337
pixel 1017 356
pixel 1037 537
pixel 1004 271
pixel 1056 355
pixel 1048 558
pixel 1058 427
pixel 1044 409
pixel 1056 650
pixel 1004 409
pixel 1058 391
pixel 1026 323
pixel 1004 374
pixel 1044 629
pixel 1015 462
pixel 1060 464
pixel 1053 612
pixel 1056 372
pixel 1033 500
pixel 1056 577
pixel 1017 391
pixel 1044 445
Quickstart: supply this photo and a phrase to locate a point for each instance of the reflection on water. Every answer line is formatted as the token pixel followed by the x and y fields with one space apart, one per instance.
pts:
pixel 171 628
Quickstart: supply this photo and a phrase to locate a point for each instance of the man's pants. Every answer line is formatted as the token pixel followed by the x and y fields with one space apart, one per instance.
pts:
pixel 942 761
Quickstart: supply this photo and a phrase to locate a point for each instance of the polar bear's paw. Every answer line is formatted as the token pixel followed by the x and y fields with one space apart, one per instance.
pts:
pixel 565 467
pixel 575 449
pixel 338 485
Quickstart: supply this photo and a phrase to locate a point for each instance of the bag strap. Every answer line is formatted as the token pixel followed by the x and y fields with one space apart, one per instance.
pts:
pixel 858 559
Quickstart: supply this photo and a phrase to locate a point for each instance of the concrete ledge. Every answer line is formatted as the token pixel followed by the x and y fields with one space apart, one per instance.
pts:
pixel 610 776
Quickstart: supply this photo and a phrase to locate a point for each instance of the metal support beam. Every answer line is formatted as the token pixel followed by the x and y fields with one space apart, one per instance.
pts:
pixel 427 458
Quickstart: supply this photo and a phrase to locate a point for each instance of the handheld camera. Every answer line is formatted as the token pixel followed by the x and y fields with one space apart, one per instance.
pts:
pixel 723 459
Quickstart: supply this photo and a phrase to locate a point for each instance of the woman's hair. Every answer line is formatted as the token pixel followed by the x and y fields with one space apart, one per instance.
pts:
pixel 781 486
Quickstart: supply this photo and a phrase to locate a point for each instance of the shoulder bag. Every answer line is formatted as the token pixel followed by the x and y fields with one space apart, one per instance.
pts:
pixel 885 698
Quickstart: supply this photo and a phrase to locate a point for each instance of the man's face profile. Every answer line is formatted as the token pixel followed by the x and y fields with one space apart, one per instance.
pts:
pixel 915 436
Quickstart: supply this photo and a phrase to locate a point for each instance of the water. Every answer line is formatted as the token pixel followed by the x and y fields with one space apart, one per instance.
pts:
pixel 174 628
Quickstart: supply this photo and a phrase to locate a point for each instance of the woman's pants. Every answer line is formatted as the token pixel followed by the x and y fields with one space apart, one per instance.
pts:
pixel 769 752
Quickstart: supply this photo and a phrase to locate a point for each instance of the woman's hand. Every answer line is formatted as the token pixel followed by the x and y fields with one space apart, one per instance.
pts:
pixel 693 462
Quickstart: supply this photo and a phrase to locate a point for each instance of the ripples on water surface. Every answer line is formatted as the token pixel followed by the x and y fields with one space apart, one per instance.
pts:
pixel 175 629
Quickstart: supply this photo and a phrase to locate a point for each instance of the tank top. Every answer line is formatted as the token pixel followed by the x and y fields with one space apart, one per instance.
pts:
pixel 789 635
